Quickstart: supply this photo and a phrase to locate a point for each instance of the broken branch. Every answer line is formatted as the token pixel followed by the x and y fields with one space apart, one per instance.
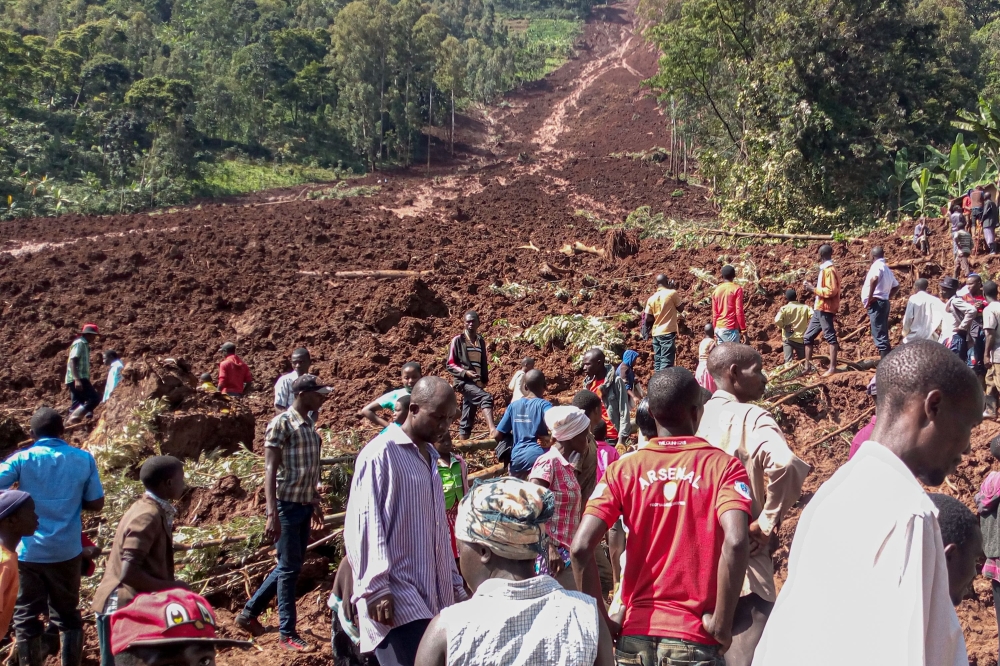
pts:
pixel 846 427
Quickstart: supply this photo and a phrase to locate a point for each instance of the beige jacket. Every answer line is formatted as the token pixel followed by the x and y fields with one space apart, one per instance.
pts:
pixel 776 474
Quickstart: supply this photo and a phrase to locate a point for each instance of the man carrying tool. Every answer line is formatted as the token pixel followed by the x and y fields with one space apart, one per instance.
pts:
pixel 291 474
pixel 750 433
pixel 84 395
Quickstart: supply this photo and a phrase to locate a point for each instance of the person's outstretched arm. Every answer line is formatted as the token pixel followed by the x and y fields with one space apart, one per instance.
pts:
pixel 732 569
pixel 370 412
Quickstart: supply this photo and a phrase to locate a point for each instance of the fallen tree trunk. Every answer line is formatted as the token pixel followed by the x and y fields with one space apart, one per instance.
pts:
pixel 749 234
pixel 381 274
pixel 846 427
pixel 487 473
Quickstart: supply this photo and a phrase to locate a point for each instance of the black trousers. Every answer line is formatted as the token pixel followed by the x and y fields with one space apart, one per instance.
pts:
pixel 47 588
pixel 473 399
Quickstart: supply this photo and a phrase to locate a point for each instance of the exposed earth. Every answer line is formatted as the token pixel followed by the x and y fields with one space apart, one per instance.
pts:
pixel 260 271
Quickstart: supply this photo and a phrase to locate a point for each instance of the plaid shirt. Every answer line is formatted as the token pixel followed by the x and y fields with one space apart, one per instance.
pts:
pixel 300 447
pixel 560 474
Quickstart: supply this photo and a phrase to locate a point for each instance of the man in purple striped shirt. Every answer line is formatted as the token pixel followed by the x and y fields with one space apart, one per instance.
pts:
pixel 396 533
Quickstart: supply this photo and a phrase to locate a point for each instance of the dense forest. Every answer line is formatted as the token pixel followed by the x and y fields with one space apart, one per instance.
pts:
pixel 815 114
pixel 118 105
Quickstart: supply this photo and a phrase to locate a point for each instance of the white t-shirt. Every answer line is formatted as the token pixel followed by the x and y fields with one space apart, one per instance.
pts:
pixel 991 320
pixel 867 579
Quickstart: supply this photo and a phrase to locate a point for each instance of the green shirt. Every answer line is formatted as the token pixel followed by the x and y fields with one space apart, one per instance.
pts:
pixel 388 400
pixel 451 479
pixel 80 350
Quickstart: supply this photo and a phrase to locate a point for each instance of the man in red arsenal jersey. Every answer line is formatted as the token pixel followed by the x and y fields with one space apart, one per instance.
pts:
pixel 686 505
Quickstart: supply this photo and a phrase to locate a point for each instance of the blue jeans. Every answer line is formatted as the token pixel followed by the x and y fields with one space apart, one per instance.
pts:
pixel 664 351
pixel 292 543
pixel 878 317
pixel 727 335
pixel 652 651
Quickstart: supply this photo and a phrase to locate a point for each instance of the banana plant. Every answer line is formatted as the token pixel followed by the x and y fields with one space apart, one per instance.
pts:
pixel 927 200
pixel 960 169
pixel 986 126
pixel 901 173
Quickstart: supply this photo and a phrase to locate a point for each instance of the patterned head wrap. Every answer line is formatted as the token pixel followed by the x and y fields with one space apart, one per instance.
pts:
pixel 566 422
pixel 506 516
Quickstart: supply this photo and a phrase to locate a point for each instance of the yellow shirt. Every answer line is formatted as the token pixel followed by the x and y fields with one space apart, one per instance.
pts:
pixel 663 306
pixel 793 320
pixel 8 588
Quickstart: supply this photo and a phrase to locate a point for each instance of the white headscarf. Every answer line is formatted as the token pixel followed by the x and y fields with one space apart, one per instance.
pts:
pixel 566 422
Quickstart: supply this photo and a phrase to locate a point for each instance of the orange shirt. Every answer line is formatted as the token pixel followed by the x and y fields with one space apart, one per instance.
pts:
pixel 612 430
pixel 8 588
pixel 671 494
pixel 828 289
pixel 727 307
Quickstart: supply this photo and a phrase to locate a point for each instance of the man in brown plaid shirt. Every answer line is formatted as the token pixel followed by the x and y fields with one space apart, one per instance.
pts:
pixel 291 473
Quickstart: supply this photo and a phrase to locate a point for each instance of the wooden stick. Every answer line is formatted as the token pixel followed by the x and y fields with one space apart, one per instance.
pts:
pixel 745 234
pixel 380 274
pixel 846 427
pixel 796 393
pixel 487 473
pixel 863 327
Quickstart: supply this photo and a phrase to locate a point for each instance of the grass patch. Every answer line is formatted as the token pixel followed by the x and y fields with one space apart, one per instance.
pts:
pixel 551 38
pixel 233 177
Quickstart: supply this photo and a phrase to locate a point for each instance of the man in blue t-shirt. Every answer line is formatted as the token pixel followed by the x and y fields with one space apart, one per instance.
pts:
pixel 524 421
pixel 63 481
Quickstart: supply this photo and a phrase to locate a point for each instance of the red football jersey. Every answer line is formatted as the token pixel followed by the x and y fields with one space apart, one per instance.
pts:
pixel 671 495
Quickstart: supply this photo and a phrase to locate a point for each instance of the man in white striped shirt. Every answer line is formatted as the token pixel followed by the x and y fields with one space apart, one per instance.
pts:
pixel 283 388
pixel 396 533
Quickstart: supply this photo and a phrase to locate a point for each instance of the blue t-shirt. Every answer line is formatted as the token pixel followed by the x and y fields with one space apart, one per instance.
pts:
pixel 60 478
pixel 525 420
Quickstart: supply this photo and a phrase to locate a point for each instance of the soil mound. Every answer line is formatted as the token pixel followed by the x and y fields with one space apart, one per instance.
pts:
pixel 216 504
pixel 393 300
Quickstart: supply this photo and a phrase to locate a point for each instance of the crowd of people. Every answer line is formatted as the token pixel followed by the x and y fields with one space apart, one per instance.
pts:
pixel 590 548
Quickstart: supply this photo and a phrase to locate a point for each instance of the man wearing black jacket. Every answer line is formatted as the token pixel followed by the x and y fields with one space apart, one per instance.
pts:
pixel 467 362
pixel 991 217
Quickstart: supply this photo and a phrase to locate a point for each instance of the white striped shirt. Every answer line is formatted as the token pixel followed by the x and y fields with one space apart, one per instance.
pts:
pixel 396 536
pixel 283 390
pixel 533 622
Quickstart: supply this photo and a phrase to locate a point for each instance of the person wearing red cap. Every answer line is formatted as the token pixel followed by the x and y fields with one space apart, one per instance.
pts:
pixel 175 627
pixel 234 374
pixel 84 395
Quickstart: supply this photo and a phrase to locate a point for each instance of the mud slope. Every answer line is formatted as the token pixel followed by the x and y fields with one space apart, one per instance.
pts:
pixel 260 272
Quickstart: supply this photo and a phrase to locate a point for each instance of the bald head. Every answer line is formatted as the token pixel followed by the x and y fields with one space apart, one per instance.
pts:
pixel 534 381
pixel 662 280
pixel 430 391
pixel 826 252
pixel 675 402
pixel 928 403
pixel 432 409
pixel 738 369
pixel 921 284
pixel 878 252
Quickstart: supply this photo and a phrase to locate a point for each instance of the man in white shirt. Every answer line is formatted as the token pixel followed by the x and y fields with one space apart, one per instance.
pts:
pixel 283 397
pixel 991 324
pixel 880 286
pixel 924 314
pixel 867 572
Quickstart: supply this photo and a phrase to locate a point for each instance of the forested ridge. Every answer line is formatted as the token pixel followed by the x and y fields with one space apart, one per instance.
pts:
pixel 120 105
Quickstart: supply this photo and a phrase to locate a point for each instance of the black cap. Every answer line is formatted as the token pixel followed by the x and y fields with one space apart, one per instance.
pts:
pixel 228 347
pixel 310 383
pixel 950 283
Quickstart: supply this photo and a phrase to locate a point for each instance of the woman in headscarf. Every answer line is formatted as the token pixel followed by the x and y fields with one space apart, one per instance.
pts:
pixel 626 370
pixel 555 470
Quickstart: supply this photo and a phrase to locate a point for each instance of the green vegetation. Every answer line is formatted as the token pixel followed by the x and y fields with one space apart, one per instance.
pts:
pixel 231 177
pixel 118 105
pixel 799 107
pixel 578 333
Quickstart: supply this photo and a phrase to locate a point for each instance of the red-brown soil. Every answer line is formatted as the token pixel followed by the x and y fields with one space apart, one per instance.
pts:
pixel 259 271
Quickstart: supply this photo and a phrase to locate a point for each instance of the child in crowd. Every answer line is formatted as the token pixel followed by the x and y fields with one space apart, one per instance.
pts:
pixel 793 319
pixel 606 453
pixel 454 475
pixel 517 381
pixel 409 374
pixel 570 428
pixel 17 520
pixel 920 236
pixel 206 384
pixel 987 504
pixel 963 544
pixel 142 553
pixel 399 412
pixel 705 347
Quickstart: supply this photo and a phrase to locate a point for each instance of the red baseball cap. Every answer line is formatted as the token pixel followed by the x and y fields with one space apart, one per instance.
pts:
pixel 90 328
pixel 166 618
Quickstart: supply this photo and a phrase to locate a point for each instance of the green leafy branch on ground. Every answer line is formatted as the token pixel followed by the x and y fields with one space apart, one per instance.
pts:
pixel 577 332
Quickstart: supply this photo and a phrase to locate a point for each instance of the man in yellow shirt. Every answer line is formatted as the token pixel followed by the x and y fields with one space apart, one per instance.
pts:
pixel 659 319
pixel 793 320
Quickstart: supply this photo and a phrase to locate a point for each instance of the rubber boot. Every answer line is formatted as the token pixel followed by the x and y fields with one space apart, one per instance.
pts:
pixel 72 647
pixel 29 652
